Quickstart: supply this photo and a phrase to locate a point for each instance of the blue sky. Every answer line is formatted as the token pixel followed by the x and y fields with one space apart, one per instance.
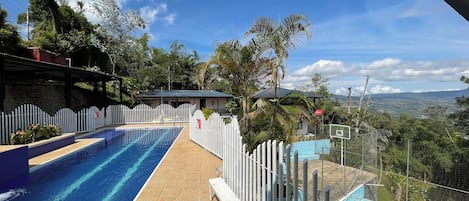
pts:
pixel 403 45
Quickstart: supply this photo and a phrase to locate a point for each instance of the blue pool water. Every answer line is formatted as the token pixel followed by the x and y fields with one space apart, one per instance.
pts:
pixel 115 169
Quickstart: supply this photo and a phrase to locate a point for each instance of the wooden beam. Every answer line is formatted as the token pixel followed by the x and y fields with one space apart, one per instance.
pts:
pixel 104 94
pixel 121 85
pixel 68 88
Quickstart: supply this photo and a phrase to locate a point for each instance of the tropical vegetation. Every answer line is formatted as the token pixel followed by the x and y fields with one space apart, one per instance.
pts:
pixel 438 143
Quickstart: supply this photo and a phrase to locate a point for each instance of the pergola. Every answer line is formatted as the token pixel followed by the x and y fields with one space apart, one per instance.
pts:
pixel 14 68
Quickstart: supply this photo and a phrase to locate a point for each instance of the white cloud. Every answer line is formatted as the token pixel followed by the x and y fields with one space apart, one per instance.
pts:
pixel 356 91
pixel 327 68
pixel 379 89
pixel 411 12
pixel 388 62
pixel 341 91
pixel 87 10
pixel 151 14
pixel 384 74
pixel 148 14
pixel 392 70
pixel 170 18
pixel 465 73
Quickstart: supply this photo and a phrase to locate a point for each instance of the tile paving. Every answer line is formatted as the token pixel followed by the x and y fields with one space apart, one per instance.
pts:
pixel 183 174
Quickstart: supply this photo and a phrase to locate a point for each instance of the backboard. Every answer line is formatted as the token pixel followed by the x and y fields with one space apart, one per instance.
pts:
pixel 339 131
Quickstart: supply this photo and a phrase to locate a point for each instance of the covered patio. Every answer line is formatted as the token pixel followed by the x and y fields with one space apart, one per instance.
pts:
pixel 14 69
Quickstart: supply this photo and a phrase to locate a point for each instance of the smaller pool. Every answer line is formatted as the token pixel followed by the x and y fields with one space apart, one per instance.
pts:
pixel 114 169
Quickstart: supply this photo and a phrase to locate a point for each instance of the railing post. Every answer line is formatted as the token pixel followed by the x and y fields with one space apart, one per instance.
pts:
pixel 315 185
pixel 280 182
pixel 287 177
pixel 295 176
pixel 327 193
pixel 305 179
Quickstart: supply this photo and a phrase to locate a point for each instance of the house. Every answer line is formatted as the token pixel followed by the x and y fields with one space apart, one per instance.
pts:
pixel 202 98
pixel 270 93
pixel 47 56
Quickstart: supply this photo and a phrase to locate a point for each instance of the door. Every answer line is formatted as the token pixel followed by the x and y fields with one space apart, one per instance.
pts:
pixel 203 103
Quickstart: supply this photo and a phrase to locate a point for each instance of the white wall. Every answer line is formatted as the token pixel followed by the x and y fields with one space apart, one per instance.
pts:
pixel 217 104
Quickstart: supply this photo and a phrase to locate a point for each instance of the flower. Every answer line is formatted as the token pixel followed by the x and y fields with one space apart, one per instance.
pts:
pixel 20 132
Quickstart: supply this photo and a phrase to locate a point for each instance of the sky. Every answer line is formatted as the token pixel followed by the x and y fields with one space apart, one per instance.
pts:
pixel 402 45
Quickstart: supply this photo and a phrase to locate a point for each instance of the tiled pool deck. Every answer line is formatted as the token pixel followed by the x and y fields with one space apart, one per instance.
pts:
pixel 181 176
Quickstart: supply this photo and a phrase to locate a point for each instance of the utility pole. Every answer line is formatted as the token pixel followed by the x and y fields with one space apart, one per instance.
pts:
pixel 27 23
pixel 169 77
pixel 407 172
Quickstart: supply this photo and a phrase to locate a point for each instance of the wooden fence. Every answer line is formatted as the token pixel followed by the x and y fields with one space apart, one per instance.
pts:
pixel 89 119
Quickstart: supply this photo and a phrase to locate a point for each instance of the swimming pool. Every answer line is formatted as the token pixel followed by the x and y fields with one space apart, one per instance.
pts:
pixel 115 169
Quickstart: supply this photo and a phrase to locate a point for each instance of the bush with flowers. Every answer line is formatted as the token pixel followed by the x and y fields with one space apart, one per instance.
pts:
pixel 35 132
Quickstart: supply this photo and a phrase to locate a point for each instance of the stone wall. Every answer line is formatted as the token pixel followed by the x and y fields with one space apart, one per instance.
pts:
pixel 49 96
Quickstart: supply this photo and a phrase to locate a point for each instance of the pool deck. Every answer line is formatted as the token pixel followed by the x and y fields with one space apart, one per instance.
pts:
pixel 182 175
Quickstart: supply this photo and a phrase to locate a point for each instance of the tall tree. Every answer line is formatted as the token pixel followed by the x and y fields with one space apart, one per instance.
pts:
pixel 136 57
pixel 182 67
pixel 113 34
pixel 9 37
pixel 461 117
pixel 57 28
pixel 279 38
pixel 175 69
pixel 42 16
pixel 240 66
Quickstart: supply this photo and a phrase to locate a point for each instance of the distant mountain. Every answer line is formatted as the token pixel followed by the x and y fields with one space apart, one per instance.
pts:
pixel 412 103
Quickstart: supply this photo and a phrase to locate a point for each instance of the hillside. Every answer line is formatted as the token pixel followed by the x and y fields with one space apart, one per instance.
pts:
pixel 411 103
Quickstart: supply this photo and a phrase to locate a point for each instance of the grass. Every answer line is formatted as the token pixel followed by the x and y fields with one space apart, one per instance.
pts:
pixel 111 94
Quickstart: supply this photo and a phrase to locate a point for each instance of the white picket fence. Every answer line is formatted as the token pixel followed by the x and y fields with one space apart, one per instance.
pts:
pixel 242 171
pixel 89 119
pixel 121 114
pixel 208 133
pixel 27 114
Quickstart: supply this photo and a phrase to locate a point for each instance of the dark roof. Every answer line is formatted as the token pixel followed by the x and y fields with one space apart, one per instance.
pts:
pixel 19 68
pixel 461 6
pixel 281 92
pixel 184 94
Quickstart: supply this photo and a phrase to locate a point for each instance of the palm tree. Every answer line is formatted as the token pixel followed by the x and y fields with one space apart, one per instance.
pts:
pixel 239 65
pixel 290 109
pixel 279 38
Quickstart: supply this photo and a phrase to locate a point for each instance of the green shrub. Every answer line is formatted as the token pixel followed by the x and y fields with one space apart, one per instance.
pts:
pixel 207 112
pixel 34 132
